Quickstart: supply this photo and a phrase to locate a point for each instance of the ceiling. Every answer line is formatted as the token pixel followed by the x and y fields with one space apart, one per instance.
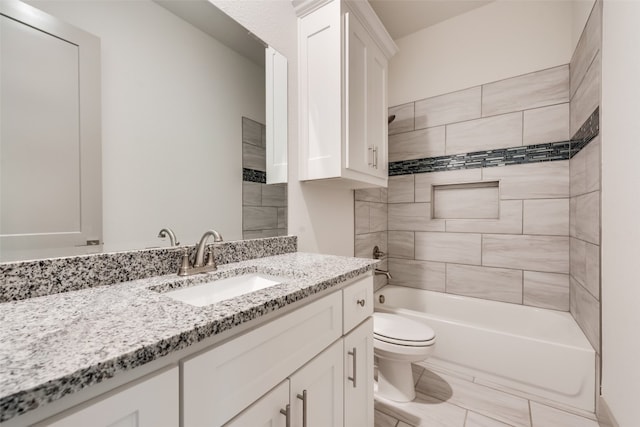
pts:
pixel 403 17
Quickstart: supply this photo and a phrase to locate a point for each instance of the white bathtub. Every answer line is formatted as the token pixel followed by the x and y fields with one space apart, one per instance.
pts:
pixel 535 351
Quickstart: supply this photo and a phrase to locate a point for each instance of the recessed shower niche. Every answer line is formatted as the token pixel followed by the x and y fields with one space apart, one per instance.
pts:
pixel 473 200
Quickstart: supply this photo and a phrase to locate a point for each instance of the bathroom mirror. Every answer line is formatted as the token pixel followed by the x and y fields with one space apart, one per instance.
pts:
pixel 183 95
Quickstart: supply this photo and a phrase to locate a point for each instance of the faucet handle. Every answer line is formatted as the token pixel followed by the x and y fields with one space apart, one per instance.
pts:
pixel 185 266
pixel 211 262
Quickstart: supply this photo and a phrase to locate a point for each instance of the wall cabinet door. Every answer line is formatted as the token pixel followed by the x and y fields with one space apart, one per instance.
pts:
pixel 358 376
pixel 366 101
pixel 317 390
pixel 267 411
pixel 151 403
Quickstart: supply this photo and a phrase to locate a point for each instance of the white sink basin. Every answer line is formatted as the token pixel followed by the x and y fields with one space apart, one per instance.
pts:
pixel 223 289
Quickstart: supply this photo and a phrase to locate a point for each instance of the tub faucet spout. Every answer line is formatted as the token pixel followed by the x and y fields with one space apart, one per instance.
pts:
pixel 383 272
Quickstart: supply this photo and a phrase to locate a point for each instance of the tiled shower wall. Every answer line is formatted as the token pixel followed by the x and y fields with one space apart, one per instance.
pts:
pixel 371 227
pixel 264 207
pixel 585 183
pixel 522 254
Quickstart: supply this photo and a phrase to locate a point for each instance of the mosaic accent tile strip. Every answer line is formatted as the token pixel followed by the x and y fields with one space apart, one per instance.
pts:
pixel 29 279
pixel 589 130
pixel 252 175
pixel 547 152
pixel 79 339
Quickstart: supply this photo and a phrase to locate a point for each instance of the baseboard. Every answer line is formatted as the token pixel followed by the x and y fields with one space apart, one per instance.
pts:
pixel 605 417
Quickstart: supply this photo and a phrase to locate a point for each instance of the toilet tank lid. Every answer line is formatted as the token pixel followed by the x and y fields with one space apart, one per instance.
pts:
pixel 399 327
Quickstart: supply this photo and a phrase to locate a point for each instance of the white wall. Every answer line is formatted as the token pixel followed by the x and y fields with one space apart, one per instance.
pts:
pixel 621 210
pixel 502 39
pixel 321 217
pixel 172 101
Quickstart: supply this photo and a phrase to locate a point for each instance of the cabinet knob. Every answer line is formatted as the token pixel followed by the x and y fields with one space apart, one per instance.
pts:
pixel 360 302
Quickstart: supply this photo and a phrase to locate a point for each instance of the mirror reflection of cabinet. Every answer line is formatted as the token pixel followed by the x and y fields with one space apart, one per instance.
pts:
pixel 50 143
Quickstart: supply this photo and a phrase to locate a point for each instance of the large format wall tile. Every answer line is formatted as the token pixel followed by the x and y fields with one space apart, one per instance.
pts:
pixel 498 284
pixel 254 157
pixel 404 118
pixel 401 244
pixel 417 144
pixel 401 189
pixel 424 181
pixel 283 220
pixel 483 134
pixel 592 269
pixel 510 221
pixel 361 217
pixel 377 217
pixel 588 217
pixel 587 314
pixel 546 124
pixel 588 47
pixel 546 290
pixel 274 195
pixel 577 173
pixel 450 108
pixel 536 253
pixel 546 180
pixel 587 96
pixel 578 259
pixel 251 193
pixel 462 248
pixel 364 244
pixel 259 218
pixel 546 216
pixel 370 195
pixel 252 132
pixel 417 274
pixel 539 89
pixel 592 165
pixel 413 217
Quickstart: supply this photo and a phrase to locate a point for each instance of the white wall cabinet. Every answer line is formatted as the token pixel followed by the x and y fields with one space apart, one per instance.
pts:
pixel 152 402
pixel 344 52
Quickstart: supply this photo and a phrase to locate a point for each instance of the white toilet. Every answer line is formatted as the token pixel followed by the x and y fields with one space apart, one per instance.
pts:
pixel 397 342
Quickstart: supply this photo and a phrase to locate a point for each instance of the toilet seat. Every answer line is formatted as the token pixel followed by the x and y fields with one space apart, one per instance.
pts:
pixel 399 330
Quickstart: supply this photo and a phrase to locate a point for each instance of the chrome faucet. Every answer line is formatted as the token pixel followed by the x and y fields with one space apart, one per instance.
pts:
pixel 172 236
pixel 199 265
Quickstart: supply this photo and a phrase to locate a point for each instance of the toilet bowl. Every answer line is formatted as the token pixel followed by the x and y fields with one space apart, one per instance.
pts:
pixel 397 342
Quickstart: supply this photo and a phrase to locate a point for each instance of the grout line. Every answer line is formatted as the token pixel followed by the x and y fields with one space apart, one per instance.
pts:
pixel 466 415
pixel 530 413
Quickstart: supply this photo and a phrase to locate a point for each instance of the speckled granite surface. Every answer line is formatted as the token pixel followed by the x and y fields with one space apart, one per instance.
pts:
pixel 58 344
pixel 28 279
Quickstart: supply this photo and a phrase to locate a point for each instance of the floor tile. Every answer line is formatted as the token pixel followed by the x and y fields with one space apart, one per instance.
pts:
pixel 417 372
pixel 432 366
pixel 423 411
pixel 383 420
pixel 486 401
pixel 545 416
pixel 477 420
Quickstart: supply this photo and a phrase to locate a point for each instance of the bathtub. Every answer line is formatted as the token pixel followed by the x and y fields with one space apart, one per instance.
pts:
pixel 529 350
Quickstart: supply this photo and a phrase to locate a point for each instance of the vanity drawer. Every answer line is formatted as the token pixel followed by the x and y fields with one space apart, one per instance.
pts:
pixel 221 382
pixel 357 302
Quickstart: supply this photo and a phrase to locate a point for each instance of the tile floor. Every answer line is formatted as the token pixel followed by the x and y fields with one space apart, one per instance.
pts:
pixel 449 399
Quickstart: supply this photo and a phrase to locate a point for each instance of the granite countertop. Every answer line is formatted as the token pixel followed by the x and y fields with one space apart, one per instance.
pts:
pixel 55 345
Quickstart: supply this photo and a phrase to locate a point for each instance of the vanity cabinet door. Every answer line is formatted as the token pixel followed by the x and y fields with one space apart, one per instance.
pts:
pixel 266 412
pixel 316 392
pixel 358 376
pixel 152 402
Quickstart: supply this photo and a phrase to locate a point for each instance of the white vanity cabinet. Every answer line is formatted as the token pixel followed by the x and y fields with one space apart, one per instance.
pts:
pixel 149 402
pixel 310 367
pixel 344 51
